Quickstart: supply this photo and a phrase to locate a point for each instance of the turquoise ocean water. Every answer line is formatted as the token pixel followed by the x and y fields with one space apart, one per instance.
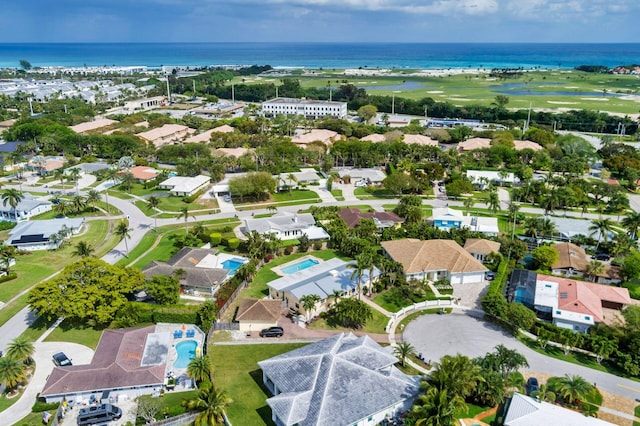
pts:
pixel 323 55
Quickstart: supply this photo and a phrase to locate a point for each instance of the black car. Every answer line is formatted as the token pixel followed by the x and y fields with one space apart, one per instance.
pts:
pixel 490 275
pixel 272 332
pixel 532 385
pixel 601 256
pixel 61 360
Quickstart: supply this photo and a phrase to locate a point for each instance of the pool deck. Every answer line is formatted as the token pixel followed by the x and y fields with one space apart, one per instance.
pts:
pixel 278 269
pixel 172 356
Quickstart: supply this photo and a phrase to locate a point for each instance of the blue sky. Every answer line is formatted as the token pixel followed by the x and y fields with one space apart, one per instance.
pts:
pixel 320 20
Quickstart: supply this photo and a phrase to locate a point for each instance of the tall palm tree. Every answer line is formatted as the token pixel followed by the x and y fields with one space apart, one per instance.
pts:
pixel 20 349
pixel 404 350
pixel 74 176
pixel 458 374
pixel 211 403
pixel 437 407
pixel 123 231
pixel 594 269
pixel 59 174
pixel 309 303
pixel 602 227
pixel 127 178
pixel 92 198
pixel 199 369
pixel 574 388
pixel 62 208
pixel 83 249
pixel 631 223
pixel 531 227
pixel 468 203
pixel 78 203
pixel 152 204
pixel 12 372
pixel 509 360
pixel 184 213
pixel 13 197
pixel 546 226
pixel 493 202
pixel 110 175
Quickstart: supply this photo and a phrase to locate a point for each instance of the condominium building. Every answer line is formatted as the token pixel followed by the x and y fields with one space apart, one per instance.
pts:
pixel 306 107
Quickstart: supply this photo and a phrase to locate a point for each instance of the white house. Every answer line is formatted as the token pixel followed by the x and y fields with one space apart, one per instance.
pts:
pixel 434 260
pixel 27 208
pixel 184 186
pixel 287 226
pixel 446 218
pixel 341 381
pixel 305 107
pixel 481 178
pixel 523 410
pixel 43 234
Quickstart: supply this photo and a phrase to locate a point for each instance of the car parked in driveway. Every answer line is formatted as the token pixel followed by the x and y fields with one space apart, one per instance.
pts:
pixel 532 385
pixel 272 332
pixel 61 360
pixel 601 256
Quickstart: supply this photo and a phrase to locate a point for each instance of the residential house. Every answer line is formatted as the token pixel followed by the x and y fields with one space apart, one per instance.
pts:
pixel 184 186
pixel 573 261
pixel 287 226
pixel 446 219
pixel 343 380
pixel 482 143
pixel 353 216
pixel 480 248
pixel 522 287
pixel 434 260
pixel 27 208
pixel 89 168
pixel 200 271
pixel 127 362
pixel 43 234
pixel 141 174
pixel 235 152
pixel 374 137
pixel 325 136
pixel 419 140
pixel 370 176
pixel 168 133
pixel 47 166
pixel 482 178
pixel 144 104
pixel 258 314
pixel 522 410
pixel 323 279
pixel 572 304
pixel 91 126
pixel 294 179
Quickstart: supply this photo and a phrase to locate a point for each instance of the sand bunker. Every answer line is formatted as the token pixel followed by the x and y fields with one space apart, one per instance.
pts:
pixel 595 99
pixel 562 103
pixel 435 91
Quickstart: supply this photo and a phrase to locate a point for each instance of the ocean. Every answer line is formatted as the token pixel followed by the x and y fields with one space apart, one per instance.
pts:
pixel 323 55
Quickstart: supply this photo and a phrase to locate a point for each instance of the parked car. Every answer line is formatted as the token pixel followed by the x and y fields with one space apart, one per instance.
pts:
pixel 601 256
pixel 489 275
pixel 272 332
pixel 532 385
pixel 61 360
pixel 98 414
pixel 227 198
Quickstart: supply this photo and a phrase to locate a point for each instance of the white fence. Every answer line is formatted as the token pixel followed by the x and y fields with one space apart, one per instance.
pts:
pixel 420 306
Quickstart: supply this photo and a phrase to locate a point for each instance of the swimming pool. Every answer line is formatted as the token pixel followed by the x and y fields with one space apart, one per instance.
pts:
pixel 299 266
pixel 232 265
pixel 186 352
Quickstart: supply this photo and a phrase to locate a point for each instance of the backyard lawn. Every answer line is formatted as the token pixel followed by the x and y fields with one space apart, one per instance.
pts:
pixel 376 324
pixel 392 300
pixel 237 373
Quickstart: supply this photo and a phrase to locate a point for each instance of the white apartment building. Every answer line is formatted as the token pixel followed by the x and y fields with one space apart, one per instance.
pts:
pixel 306 107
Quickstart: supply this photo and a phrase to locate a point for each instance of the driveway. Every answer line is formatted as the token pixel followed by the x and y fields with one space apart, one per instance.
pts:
pixel 438 335
pixel 79 355
pixel 15 326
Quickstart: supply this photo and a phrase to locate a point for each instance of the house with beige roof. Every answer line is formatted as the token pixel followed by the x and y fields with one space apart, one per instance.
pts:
pixel 90 126
pixel 573 261
pixel 235 152
pixel 257 314
pixel 325 136
pixel 141 173
pixel 203 137
pixel 482 143
pixel 435 260
pixel 374 137
pixel 520 145
pixel 480 248
pixel 420 140
pixel 168 133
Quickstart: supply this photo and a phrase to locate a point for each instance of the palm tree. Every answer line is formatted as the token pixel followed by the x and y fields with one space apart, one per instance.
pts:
pixel 493 202
pixel 20 349
pixel 199 369
pixel 123 231
pixel 468 203
pixel 152 203
pixel 13 197
pixel 631 223
pixel 110 174
pixel 93 197
pixel 184 213
pixel 594 269
pixel 546 226
pixel 336 295
pixel 309 303
pixel 78 203
pixel 531 227
pixel 437 407
pixel 458 374
pixel 211 403
pixel 603 347
pixel 544 394
pixel 12 372
pixel 59 174
pixel 74 176
pixel 509 360
pixel 83 249
pixel 574 388
pixel 404 350
pixel 602 227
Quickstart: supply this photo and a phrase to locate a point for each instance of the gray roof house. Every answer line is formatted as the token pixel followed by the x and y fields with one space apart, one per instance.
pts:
pixel 28 207
pixel 43 234
pixel 287 226
pixel 339 381
pixel 526 411
pixel 89 167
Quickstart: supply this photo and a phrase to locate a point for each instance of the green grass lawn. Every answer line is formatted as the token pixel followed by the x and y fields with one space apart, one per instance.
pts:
pixel 31 420
pixel 636 412
pixel 376 324
pixel 373 193
pixel 236 371
pixel 393 301
pixel 406 320
pixel 259 289
pixel 66 332
pixel 171 403
pixel 145 244
pixel 162 252
pixel 295 195
pixel 336 192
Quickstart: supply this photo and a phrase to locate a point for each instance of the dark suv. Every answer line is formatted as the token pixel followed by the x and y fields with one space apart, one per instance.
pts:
pixel 272 332
pixel 532 385
pixel 601 256
pixel 61 360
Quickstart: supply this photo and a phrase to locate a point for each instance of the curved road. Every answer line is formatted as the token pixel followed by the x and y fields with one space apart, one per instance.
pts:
pixel 438 335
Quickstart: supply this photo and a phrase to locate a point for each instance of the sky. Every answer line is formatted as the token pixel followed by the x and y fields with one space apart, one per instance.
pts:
pixel 548 21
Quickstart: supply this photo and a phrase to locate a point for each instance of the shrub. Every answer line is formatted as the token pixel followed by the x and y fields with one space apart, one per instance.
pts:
pixel 233 243
pixel 215 238
pixel 317 245
pixel 39 407
pixel 5 224
pixel 176 314
pixel 11 276
pixel 288 250
pixel 192 198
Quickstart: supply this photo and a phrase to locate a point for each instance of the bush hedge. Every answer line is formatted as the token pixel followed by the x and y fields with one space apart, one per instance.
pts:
pixel 233 243
pixel 11 276
pixel 176 314
pixel 215 238
pixel 39 407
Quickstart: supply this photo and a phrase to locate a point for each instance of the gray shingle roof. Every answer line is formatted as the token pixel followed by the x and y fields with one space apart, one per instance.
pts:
pixel 42 230
pixel 336 381
pixel 282 221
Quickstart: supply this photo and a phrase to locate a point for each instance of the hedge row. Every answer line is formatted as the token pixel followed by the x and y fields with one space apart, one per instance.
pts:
pixel 11 276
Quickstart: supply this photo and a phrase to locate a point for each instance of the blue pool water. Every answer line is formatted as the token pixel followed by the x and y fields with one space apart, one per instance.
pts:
pixel 300 266
pixel 232 265
pixel 186 352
